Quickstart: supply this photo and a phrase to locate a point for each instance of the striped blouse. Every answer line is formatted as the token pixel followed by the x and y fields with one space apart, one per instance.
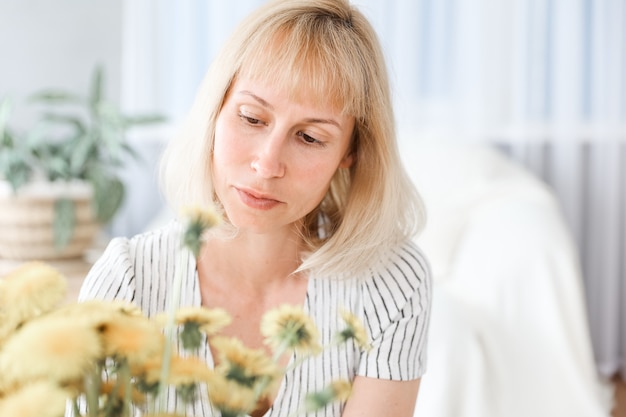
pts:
pixel 393 303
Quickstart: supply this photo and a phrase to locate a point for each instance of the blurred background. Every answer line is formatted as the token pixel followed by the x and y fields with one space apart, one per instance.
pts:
pixel 542 81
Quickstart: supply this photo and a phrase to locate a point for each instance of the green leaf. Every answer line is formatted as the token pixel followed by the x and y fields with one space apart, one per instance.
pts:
pixel 56 97
pixel 129 150
pixel 143 119
pixel 108 197
pixel 57 167
pixel 75 121
pixel 97 83
pixel 6 140
pixel 64 222
pixel 17 174
pixel 80 155
pixel 5 111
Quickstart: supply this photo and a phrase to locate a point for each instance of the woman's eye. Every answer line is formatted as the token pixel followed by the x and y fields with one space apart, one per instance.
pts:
pixel 308 139
pixel 249 119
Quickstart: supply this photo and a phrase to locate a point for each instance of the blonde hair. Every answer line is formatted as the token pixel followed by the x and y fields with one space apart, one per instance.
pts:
pixel 327 49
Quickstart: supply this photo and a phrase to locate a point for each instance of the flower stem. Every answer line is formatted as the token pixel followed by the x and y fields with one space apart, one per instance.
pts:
pixel 169 328
pixel 76 408
pixel 93 381
pixel 124 375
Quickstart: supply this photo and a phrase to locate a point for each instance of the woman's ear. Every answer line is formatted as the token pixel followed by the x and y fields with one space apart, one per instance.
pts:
pixel 347 160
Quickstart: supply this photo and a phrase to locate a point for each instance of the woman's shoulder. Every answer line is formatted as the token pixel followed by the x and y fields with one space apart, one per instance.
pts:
pixel 126 260
pixel 403 267
pixel 154 241
pixel 404 264
pixel 401 279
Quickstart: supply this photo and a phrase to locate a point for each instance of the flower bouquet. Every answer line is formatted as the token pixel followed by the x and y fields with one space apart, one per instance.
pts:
pixel 106 359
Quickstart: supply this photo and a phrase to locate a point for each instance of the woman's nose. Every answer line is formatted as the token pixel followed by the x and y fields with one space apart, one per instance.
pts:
pixel 268 159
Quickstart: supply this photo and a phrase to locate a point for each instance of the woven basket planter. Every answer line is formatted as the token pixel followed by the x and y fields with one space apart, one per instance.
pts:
pixel 26 221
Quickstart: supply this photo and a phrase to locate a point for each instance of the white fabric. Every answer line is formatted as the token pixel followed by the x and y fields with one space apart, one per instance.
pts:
pixel 393 302
pixel 509 334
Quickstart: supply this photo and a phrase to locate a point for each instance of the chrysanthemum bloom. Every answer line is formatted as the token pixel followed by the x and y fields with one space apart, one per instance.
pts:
pixel 148 371
pixel 136 339
pixel 118 390
pixel 198 221
pixel 39 399
pixel 197 320
pixel 30 290
pixel 98 310
pixel 232 399
pixel 7 327
pixel 183 371
pixel 97 314
pixel 49 348
pixel 124 307
pixel 336 391
pixel 252 368
pixel 288 327
pixel 140 372
pixel 354 330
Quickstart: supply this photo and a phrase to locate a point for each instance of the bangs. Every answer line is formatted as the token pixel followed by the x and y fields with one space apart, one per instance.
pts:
pixel 310 61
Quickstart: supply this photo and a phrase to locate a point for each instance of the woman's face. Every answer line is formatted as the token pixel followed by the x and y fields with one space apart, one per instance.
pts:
pixel 274 157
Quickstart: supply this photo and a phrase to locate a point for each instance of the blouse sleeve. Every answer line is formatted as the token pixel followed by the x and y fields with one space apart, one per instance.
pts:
pixel 397 314
pixel 112 276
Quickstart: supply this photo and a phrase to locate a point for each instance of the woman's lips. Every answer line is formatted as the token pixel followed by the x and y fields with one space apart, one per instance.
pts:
pixel 256 201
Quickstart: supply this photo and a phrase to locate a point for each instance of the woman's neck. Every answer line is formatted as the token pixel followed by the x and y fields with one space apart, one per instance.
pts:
pixel 252 260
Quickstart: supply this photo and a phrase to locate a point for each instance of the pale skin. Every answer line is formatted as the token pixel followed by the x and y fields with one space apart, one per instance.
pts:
pixel 273 161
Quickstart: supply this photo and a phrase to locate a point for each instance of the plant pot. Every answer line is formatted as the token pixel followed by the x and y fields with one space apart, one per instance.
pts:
pixel 27 221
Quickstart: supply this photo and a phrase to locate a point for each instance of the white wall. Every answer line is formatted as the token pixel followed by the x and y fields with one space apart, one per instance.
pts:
pixel 46 44
pixel 56 44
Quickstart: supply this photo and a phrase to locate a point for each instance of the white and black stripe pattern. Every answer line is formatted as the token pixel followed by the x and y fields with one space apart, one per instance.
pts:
pixel 393 302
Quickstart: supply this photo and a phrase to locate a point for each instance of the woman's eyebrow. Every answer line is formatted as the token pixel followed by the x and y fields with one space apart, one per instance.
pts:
pixel 267 105
pixel 261 101
pixel 324 121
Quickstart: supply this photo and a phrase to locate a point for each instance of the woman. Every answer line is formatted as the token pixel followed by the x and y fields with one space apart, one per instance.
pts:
pixel 292 137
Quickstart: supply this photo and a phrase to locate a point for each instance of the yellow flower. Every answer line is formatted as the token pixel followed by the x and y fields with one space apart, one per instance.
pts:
pixel 341 389
pixel 183 371
pixel 7 328
pixel 135 338
pixel 198 220
pixel 208 217
pixel 97 314
pixel 31 289
pixel 196 320
pixel 336 391
pixel 288 327
pixel 188 370
pixel 210 320
pixel 49 348
pixel 252 368
pixel 112 388
pixel 354 330
pixel 98 311
pixel 123 307
pixel 149 372
pixel 229 397
pixel 124 330
pixel 40 399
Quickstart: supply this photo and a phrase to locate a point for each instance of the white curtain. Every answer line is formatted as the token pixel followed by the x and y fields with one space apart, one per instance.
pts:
pixel 544 80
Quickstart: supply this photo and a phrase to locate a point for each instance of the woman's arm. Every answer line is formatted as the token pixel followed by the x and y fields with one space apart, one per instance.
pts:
pixel 373 397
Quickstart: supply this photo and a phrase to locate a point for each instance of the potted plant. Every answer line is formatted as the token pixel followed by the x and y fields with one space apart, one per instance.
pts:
pixel 60 179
